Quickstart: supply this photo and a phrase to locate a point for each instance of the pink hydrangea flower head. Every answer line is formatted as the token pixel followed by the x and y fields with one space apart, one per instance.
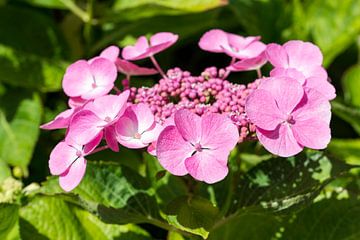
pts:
pixel 303 62
pixel 168 122
pixel 131 69
pixel 249 63
pixel 144 48
pixel 96 116
pixel 137 127
pixel 289 118
pixel 67 160
pixel 89 80
pixel 236 46
pixel 75 102
pixel 198 146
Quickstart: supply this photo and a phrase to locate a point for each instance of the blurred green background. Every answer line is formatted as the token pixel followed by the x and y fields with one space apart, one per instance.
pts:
pixel 40 38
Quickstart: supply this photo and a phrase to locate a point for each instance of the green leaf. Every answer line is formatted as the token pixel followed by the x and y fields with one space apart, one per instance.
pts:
pixel 349 114
pixel 51 217
pixel 262 18
pixel 346 149
pixel 18 138
pixel 286 183
pixel 38 36
pixel 192 214
pixel 53 4
pixel 248 224
pixel 4 171
pixel 116 193
pixel 351 85
pixel 8 221
pixel 27 70
pixel 136 9
pixel 326 220
pixel 318 16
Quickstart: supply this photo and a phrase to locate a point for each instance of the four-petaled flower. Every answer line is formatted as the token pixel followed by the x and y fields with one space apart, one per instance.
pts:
pixel 289 118
pixel 198 146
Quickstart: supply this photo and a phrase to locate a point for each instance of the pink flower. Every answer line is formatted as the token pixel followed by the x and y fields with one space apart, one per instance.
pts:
pixel 137 127
pixel 96 116
pixel 67 160
pixel 168 122
pixel 301 61
pixel 131 69
pixel 236 46
pixel 62 120
pixel 249 64
pixel 197 145
pixel 289 118
pixel 142 49
pixel 89 80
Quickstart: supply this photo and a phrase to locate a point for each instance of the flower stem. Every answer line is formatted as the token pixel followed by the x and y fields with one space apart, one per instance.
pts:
pixel 226 74
pixel 76 10
pixel 117 90
pixel 88 24
pixel 157 66
pixel 258 71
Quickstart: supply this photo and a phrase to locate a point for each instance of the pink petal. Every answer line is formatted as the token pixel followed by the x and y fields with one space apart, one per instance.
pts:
pixel 251 51
pixel 287 92
pixel 104 72
pixel 288 72
pixel 151 134
pixel 76 102
pixel 218 132
pixel 312 133
pixel 152 148
pixel 131 69
pixel 84 127
pixel 72 177
pixel 111 53
pixel 313 105
pixel 161 41
pixel 303 54
pixel 127 125
pixel 131 142
pixel 249 64
pixel 277 55
pixel 62 120
pixel 214 41
pixel 322 86
pixel 98 91
pixel 280 141
pixel 238 42
pixel 144 116
pixel 61 157
pixel 262 110
pixel 88 148
pixel 172 150
pixel 205 166
pixel 188 125
pixel 77 79
pixel 110 137
pixel 138 51
pixel 109 107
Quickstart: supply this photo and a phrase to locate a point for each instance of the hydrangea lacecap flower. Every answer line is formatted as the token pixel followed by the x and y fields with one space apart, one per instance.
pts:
pixel 191 123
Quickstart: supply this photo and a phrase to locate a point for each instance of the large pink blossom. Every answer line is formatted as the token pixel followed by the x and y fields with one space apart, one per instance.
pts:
pixel 89 80
pixel 301 61
pixel 289 118
pixel 236 46
pixel 137 127
pixel 67 160
pixel 198 146
pixel 103 112
pixel 143 48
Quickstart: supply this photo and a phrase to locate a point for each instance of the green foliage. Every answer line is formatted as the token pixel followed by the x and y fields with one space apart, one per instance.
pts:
pixel 351 84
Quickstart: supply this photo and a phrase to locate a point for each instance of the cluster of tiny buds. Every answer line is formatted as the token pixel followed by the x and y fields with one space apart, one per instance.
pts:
pixel 202 94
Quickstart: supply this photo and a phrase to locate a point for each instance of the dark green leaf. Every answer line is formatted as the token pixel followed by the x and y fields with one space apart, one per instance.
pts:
pixel 9 217
pixel 351 84
pixel 18 138
pixel 192 214
pixel 283 183
pixel 53 4
pixel 349 114
pixel 326 220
